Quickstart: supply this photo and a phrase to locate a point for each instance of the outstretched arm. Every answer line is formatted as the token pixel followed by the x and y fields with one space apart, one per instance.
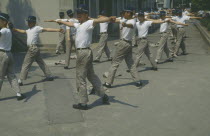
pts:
pixel 178 23
pixel 102 20
pixel 127 25
pixel 70 24
pixel 19 30
pixel 158 22
pixel 52 30
pixel 196 18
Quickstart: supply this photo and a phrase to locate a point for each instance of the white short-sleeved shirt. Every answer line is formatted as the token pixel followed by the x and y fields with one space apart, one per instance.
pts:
pixel 84 34
pixel 127 33
pixel 185 13
pixel 143 28
pixel 164 26
pixel 104 27
pixel 62 26
pixel 123 19
pixel 5 39
pixel 73 30
pixel 33 35
pixel 181 19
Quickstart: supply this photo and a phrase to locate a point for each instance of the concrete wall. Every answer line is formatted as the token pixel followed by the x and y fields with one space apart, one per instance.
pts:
pixel 19 10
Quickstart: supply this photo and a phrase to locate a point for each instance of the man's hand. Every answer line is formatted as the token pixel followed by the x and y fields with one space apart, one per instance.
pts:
pixel 62 31
pixel 112 18
pixel 123 24
pixel 10 26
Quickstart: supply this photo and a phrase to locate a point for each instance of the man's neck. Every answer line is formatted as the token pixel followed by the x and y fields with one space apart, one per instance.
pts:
pixel 84 21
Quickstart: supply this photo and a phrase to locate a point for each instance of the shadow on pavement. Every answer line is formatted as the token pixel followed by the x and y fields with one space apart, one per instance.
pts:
pixel 111 100
pixel 28 95
pixel 33 92
pixel 145 82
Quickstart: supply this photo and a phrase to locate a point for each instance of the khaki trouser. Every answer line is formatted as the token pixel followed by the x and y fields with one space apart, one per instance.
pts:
pixel 69 46
pixel 180 41
pixel 84 69
pixel 143 47
pixel 61 42
pixel 33 54
pixel 163 46
pixel 174 31
pixel 7 69
pixel 123 51
pixel 103 46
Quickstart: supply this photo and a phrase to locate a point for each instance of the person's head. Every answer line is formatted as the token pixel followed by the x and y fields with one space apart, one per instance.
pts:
pixel 82 14
pixel 162 14
pixel 103 13
pixel 141 16
pixel 179 12
pixel 4 19
pixel 70 13
pixel 128 13
pixel 122 13
pixel 173 12
pixel 61 15
pixel 31 21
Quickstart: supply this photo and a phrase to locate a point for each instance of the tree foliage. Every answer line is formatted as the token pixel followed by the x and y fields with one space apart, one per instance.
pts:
pixel 200 5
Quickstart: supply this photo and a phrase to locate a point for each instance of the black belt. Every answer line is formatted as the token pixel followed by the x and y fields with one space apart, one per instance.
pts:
pixel 125 40
pixel 4 50
pixel 163 32
pixel 180 27
pixel 103 33
pixel 83 48
pixel 143 38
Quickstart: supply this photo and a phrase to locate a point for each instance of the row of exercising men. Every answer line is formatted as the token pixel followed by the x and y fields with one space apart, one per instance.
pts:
pixel 83 38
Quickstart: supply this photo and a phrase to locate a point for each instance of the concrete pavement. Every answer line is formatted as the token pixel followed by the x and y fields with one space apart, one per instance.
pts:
pixel 174 101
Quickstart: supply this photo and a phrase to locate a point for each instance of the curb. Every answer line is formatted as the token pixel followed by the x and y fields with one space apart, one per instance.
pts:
pixel 203 32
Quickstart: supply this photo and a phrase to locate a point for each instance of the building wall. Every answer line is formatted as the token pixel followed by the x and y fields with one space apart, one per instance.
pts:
pixel 19 10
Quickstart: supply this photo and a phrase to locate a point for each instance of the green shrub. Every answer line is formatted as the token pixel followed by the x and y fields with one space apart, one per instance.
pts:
pixel 208 27
pixel 205 22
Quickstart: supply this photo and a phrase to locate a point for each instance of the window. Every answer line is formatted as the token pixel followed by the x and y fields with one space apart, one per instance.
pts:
pixel 64 4
pixel 85 2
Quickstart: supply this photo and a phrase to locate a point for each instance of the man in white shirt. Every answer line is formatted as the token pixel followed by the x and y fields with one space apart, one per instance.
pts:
pixel 33 53
pixel 6 57
pixel 143 46
pixel 124 51
pixel 181 32
pixel 164 37
pixel 103 40
pixel 84 65
pixel 71 34
pixel 62 39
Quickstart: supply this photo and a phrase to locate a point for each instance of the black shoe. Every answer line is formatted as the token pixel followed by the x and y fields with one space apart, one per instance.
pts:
pixel 107 85
pixel 138 84
pixel 105 99
pixel 80 107
pixel 66 67
pixel 110 59
pixel 20 84
pixel 155 69
pixel 184 53
pixel 19 98
pixel 96 61
pixel 170 60
pixel 58 53
pixel 49 79
pixel 93 92
pixel 128 71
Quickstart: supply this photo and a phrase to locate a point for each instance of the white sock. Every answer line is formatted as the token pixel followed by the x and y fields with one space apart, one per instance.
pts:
pixel 18 94
pixel 19 81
